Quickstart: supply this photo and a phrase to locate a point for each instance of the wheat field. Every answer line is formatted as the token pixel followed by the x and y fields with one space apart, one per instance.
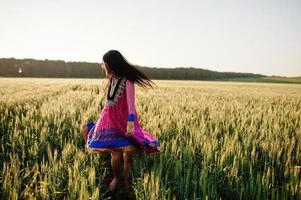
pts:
pixel 218 140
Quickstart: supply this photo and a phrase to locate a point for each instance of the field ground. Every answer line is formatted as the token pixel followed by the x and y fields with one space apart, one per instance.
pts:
pixel 219 140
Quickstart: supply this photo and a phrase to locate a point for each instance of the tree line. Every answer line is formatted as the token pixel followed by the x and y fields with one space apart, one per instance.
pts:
pixel 11 67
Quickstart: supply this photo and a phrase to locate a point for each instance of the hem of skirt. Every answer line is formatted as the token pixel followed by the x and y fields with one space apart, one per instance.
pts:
pixel 130 148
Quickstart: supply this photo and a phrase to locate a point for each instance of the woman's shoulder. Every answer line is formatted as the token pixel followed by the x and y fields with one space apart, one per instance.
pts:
pixel 129 84
pixel 128 81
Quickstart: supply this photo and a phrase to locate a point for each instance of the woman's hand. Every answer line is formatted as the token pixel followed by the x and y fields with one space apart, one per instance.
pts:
pixel 130 128
pixel 130 125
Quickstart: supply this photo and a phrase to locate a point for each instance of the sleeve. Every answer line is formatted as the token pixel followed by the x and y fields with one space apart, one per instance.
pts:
pixel 130 96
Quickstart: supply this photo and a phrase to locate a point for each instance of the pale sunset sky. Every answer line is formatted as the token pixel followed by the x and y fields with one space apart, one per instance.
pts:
pixel 256 36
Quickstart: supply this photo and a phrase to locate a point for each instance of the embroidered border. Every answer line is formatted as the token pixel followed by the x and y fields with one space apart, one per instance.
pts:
pixel 106 134
pixel 108 137
pixel 120 90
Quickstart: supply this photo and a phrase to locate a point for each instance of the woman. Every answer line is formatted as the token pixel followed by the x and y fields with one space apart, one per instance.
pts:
pixel 118 131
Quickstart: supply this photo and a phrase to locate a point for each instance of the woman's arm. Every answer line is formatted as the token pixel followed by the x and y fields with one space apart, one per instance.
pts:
pixel 130 96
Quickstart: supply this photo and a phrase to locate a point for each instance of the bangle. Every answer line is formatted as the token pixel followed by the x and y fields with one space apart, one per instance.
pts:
pixel 131 117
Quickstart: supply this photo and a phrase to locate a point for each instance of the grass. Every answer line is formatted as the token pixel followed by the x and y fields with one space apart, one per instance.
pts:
pixel 219 140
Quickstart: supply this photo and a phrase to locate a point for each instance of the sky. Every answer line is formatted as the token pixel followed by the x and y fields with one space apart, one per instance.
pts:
pixel 254 36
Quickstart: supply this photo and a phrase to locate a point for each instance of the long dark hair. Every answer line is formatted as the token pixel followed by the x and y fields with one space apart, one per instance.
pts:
pixel 114 64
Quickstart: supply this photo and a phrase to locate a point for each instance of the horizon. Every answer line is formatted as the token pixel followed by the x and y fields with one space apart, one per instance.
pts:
pixel 146 66
pixel 259 37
